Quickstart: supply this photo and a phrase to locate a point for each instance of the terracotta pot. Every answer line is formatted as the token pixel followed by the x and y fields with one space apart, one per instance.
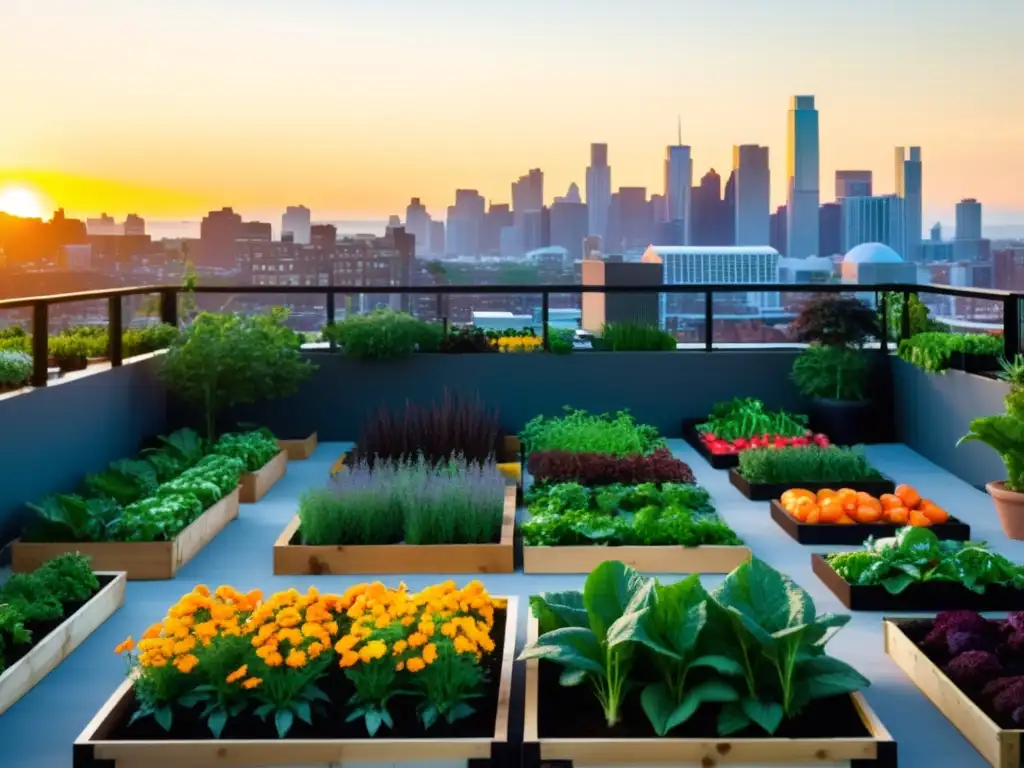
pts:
pixel 1010 506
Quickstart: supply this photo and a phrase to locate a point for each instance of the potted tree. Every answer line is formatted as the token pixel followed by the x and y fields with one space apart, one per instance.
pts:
pixel 834 370
pixel 1004 433
pixel 222 360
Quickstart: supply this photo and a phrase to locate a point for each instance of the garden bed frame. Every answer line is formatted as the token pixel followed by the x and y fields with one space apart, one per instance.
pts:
pixel 878 749
pixel 769 491
pixel 299 450
pixel 302 559
pixel 1001 747
pixel 253 486
pixel 140 560
pixel 927 596
pixel 856 534
pixel 716 460
pixel 23 675
pixel 91 748
pixel 660 559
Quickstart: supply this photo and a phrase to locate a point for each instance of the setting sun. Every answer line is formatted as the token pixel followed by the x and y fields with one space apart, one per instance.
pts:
pixel 21 201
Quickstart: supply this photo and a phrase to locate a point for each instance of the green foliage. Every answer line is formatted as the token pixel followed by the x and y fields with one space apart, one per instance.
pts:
pixel 916 555
pixel 70 351
pixel 920 322
pixel 150 339
pixel 220 361
pixel 69 578
pixel 577 431
pixel 254 448
pixel 383 335
pixel 836 321
pixel 70 518
pixel 634 337
pixel 933 351
pixel 838 373
pixel 12 632
pixel 178 451
pixel 123 481
pixel 1003 433
pixel 806 464
pixel 743 417
pixel 14 338
pixel 15 368
pixel 569 514
pixel 560 341
pixel 755 648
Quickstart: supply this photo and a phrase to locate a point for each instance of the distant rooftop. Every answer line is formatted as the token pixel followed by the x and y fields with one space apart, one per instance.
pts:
pixel 714 250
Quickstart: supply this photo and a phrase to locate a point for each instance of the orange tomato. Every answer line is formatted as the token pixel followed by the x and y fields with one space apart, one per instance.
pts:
pixel 933 512
pixel 866 514
pixel 801 508
pixel 909 496
pixel 849 500
pixel 890 501
pixel 897 515
pixel 825 493
pixel 867 500
pixel 846 520
pixel 790 497
pixel 831 509
pixel 919 519
pixel 813 516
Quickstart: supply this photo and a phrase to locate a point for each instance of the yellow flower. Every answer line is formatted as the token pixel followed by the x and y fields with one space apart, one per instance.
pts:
pixel 289 617
pixel 127 645
pixel 202 589
pixel 406 621
pixel 374 649
pixel 399 666
pixel 315 649
pixel 382 622
pixel 448 629
pixel 346 643
pixel 252 682
pixel 238 674
pixel 153 631
pixel 415 664
pixel 184 646
pixel 292 635
pixel 426 627
pixel 296 659
pixel 416 639
pixel 331 627
pixel 462 645
pixel 429 653
pixel 274 659
pixel 399 647
pixel 186 664
pixel 348 659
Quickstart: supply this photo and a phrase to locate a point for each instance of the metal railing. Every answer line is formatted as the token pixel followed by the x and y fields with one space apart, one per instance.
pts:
pixel 169 296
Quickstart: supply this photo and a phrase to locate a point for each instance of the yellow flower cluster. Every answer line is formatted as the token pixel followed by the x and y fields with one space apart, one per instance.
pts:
pixel 519 344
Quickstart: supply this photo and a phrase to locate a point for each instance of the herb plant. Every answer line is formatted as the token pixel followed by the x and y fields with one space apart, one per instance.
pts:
pixel 742 418
pixel 14 338
pixel 834 365
pixel 254 448
pixel 577 431
pixel 150 339
pixel 70 352
pixel 15 368
pixel 601 469
pixel 383 335
pixel 806 464
pixel 836 373
pixel 933 351
pixel 1004 432
pixel 634 337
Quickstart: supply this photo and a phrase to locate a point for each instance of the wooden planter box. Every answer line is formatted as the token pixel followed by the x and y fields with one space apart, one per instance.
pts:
pixel 299 450
pixel 705 559
pixel 877 748
pixel 769 491
pixel 253 486
pixel 716 460
pixel 857 534
pixel 928 596
pixel 1000 747
pixel 300 559
pixel 140 560
pixel 510 462
pixel 92 746
pixel 19 678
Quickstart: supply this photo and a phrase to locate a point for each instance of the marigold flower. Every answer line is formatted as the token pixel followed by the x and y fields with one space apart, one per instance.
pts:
pixel 429 653
pixel 399 666
pixel 291 635
pixel 156 661
pixel 408 620
pixel 289 617
pixel 296 659
pixel 153 631
pixel 463 645
pixel 416 639
pixel 186 663
pixel 274 659
pixel 201 589
pixel 415 664
pixel 184 646
pixel 427 627
pixel 207 629
pixel 346 643
pixel 252 682
pixel 374 649
pixel 125 646
pixel 238 674
pixel 348 659
pixel 331 627
pixel 315 649
pixel 399 647
pixel 448 629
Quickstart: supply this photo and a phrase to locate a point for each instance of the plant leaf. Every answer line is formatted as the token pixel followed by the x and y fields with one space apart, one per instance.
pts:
pixel 722 664
pixel 574 647
pixel 428 716
pixel 612 589
pixel 164 717
pixel 657 705
pixel 216 722
pixel 302 711
pixel 283 720
pixel 458 712
pixel 767 714
pixel 559 609
pixel 572 676
pixel 732 718
pixel 629 628
pixel 822 676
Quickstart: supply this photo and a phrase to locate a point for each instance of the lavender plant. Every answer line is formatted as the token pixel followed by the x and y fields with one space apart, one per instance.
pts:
pixel 356 507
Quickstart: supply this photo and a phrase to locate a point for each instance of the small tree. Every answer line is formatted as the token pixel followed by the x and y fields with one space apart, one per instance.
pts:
pixel 220 361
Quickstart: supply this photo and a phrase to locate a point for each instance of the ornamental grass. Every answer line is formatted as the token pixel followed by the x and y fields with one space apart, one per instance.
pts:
pixel 237 656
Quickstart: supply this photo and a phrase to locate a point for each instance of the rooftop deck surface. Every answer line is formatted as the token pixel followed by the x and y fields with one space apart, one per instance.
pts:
pixel 39 730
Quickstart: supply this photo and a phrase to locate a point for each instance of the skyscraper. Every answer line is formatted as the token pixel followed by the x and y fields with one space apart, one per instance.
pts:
pixel 218 234
pixel 569 226
pixel 968 220
pixel 417 224
pixel 527 194
pixel 678 180
pixel 599 190
pixel 830 229
pixel 753 194
pixel 710 223
pixel 729 205
pixel 853 184
pixel 777 230
pixel 296 221
pixel 465 221
pixel 877 219
pixel 908 186
pixel 803 179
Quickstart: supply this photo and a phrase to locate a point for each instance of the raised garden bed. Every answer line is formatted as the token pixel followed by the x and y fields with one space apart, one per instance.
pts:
pixel 253 486
pixel 856 534
pixel 140 560
pixel 108 737
pixel 930 596
pixel 291 558
pixel 769 491
pixel 1001 747
pixel 962 361
pixel 510 460
pixel 658 559
pixel 835 731
pixel 299 450
pixel 716 460
pixel 53 647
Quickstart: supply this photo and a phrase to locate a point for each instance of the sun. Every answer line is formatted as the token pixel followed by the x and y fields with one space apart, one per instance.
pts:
pixel 21 201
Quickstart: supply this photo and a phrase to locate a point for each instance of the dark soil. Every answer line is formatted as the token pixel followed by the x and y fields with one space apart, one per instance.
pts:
pixel 188 727
pixel 40 629
pixel 834 717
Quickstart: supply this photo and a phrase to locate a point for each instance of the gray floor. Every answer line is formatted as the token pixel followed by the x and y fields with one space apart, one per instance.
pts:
pixel 39 730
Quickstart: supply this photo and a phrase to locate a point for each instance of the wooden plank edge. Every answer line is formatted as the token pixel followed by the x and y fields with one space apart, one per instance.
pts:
pixel 531 698
pixel 508 659
pixel 300 449
pixel 209 524
pixel 255 485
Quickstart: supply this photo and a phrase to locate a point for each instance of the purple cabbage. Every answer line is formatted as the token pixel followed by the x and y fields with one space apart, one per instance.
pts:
pixel 972 669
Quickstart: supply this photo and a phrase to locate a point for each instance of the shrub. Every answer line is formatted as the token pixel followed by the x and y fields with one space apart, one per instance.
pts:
pixel 920 322
pixel 615 434
pixel 836 321
pixel 456 426
pixel 14 338
pixel 70 352
pixel 151 339
pixel 383 335
pixel 634 337
pixel 806 464
pixel 560 341
pixel 254 449
pixel 592 469
pixel 839 373
pixel 933 352
pixel 15 368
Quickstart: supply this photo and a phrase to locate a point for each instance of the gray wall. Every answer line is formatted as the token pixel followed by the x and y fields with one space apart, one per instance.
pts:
pixel 660 388
pixel 51 437
pixel 933 411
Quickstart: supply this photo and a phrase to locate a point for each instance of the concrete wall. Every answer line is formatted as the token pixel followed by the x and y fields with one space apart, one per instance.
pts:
pixel 51 437
pixel 933 411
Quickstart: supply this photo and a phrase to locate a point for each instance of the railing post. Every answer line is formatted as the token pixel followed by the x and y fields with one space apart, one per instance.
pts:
pixel 439 310
pixel 545 310
pixel 709 321
pixel 331 315
pixel 1011 326
pixel 115 330
pixel 882 300
pixel 169 306
pixel 40 344
pixel 905 316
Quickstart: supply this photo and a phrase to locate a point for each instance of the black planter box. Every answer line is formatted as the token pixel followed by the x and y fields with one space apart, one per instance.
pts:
pixel 927 597
pixel 846 422
pixel 961 361
pixel 716 460
pixel 769 491
pixel 857 534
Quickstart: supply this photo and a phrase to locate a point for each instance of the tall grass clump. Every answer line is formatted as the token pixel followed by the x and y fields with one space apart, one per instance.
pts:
pixel 634 337
pixel 611 434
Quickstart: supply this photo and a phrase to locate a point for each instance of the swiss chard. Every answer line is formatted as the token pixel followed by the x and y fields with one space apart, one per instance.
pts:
pixel 123 481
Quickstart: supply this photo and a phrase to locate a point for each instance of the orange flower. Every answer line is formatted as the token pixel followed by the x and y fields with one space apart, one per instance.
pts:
pixel 238 674
pixel 186 664
pixel 429 653
pixel 296 659
pixel 252 682
pixel 127 645
pixel 416 639
pixel 415 664
pixel 348 659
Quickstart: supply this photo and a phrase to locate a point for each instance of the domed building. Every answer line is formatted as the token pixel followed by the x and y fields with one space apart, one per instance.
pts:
pixel 876 263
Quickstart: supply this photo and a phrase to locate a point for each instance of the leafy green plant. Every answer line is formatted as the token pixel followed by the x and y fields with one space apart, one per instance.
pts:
pixel 560 342
pixel 806 464
pixel 123 481
pixel 177 452
pixel 12 632
pixel 69 352
pixel 71 518
pixel 577 431
pixel 383 335
pixel 141 341
pixel 917 555
pixel 838 373
pixel 254 448
pixel 634 337
pixel 920 321
pixel 15 368
pixel 933 351
pixel 220 361
pixel 833 366
pixel 1004 432
pixel 744 417
pixel 14 338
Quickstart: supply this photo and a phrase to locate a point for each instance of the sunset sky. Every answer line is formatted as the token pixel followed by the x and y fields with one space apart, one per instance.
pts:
pixel 171 107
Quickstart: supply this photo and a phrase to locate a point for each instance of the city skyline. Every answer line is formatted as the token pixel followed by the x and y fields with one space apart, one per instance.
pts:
pixel 449 111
